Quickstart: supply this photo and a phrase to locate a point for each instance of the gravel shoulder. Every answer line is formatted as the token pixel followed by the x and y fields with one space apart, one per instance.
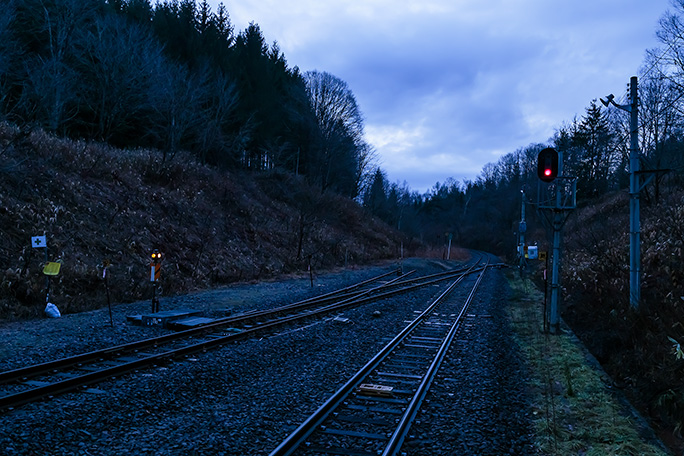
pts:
pixel 25 342
pixel 575 405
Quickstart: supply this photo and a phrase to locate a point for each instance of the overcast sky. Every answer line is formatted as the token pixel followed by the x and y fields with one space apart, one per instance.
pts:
pixel 446 86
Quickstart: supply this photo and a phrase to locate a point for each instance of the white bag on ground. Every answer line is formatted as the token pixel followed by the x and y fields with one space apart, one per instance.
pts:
pixel 52 311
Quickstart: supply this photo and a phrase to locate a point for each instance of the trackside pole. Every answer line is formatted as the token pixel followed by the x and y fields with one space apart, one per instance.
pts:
pixel 546 294
pixel 634 191
pixel 310 272
pixel 105 277
pixel 522 228
pixel 155 299
pixel 554 317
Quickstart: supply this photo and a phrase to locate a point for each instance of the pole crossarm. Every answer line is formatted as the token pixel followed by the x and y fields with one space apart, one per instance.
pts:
pixel 559 195
pixel 548 219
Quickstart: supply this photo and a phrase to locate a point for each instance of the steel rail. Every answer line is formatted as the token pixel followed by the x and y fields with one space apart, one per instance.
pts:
pixel 13 400
pixel 299 435
pixel 109 352
pixel 344 290
pixel 397 439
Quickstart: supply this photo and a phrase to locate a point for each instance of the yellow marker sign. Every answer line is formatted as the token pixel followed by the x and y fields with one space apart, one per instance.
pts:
pixel 52 269
pixel 542 255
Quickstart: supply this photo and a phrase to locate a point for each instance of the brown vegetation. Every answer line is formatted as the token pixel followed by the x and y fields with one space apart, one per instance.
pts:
pixel 637 348
pixel 97 203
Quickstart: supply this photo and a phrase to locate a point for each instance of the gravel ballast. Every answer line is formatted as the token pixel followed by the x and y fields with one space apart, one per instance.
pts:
pixel 477 405
pixel 244 398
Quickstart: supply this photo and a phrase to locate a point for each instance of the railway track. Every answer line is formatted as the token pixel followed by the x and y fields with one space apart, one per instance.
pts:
pixel 372 413
pixel 45 380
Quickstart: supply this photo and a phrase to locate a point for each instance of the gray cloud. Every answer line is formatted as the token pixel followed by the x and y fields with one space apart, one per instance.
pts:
pixel 447 86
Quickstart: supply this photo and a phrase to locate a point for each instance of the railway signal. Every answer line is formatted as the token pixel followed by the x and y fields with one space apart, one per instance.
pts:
pixel 155 274
pixel 547 164
pixel 554 204
pixel 155 267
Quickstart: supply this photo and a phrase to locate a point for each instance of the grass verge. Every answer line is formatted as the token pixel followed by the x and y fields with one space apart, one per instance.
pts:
pixel 574 409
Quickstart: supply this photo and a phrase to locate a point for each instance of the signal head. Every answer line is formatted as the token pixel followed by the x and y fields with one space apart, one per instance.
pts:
pixel 547 164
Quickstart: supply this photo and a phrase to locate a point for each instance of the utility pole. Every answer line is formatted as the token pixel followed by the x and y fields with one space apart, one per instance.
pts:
pixel 558 222
pixel 554 311
pixel 522 228
pixel 634 190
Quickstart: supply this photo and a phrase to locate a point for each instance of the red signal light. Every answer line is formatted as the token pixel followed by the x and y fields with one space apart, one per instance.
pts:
pixel 547 164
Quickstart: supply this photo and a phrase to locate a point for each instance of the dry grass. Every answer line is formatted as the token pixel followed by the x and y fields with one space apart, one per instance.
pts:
pixel 97 203
pixel 575 411
pixel 634 347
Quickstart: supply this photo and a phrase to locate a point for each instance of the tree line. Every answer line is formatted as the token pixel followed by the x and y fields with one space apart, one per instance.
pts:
pixel 177 76
pixel 484 212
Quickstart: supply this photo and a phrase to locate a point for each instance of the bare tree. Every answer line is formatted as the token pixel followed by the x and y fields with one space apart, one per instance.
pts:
pixel 49 94
pixel 366 164
pixel 670 62
pixel 8 51
pixel 213 141
pixel 48 88
pixel 117 61
pixel 661 92
pixel 341 128
pixel 176 98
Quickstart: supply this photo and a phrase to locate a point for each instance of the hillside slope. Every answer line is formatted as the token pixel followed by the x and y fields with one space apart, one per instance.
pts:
pixel 97 203
pixel 637 348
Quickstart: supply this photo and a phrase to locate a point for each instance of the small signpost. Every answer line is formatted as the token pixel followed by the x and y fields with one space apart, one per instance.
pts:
pixel 449 236
pixel 50 269
pixel 39 242
pixel 105 276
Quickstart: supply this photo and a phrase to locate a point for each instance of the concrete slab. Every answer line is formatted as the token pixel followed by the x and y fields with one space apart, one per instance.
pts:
pixel 164 317
pixel 189 323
